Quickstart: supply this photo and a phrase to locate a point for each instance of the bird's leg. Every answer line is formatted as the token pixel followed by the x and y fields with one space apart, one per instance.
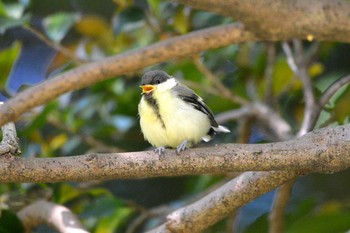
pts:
pixel 181 147
pixel 160 150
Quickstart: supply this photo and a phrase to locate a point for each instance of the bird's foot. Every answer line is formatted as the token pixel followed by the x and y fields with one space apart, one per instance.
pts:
pixel 160 150
pixel 181 147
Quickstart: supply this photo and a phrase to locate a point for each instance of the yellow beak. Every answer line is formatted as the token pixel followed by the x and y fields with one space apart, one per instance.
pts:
pixel 147 88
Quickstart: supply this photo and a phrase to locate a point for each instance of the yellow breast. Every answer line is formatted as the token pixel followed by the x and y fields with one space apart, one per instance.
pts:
pixel 181 121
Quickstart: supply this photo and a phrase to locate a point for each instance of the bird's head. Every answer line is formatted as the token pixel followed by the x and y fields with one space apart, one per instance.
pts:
pixel 156 80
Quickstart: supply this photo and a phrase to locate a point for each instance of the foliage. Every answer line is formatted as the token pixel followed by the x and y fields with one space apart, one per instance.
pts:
pixel 103 117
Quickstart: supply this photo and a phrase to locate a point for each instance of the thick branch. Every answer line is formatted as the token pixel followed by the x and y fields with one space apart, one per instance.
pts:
pixel 276 19
pixel 91 73
pixel 326 150
pixel 218 204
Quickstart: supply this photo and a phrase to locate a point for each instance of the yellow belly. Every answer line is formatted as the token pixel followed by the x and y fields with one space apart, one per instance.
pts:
pixel 182 122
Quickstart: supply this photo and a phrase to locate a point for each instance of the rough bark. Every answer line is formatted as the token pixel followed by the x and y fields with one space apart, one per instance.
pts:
pixel 325 150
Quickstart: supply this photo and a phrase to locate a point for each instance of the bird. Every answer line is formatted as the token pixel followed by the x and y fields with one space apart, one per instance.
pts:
pixel 172 115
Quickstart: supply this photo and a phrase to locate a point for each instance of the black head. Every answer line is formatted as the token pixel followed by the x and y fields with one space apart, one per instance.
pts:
pixel 154 77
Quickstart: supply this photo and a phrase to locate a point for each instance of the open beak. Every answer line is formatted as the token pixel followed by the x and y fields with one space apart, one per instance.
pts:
pixel 147 88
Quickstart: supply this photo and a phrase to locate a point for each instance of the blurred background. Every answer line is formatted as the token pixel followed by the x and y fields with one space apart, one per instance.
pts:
pixel 40 39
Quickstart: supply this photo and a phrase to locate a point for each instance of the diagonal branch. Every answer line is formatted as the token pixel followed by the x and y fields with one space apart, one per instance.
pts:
pixel 325 150
pixel 223 201
pixel 130 61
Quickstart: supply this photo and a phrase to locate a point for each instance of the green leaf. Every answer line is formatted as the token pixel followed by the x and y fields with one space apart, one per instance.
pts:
pixel 155 7
pixel 282 76
pixel 110 224
pixel 57 25
pixel 7 23
pixel 181 20
pixel 12 15
pixel 128 20
pixel 9 222
pixel 8 57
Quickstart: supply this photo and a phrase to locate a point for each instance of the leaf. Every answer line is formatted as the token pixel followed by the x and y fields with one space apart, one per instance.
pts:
pixel 57 25
pixel 8 57
pixel 7 23
pixel 92 26
pixel 67 193
pixel 181 20
pixel 316 69
pixel 58 141
pixel 11 15
pixel 111 213
pixel 155 7
pixel 283 76
pixel 341 103
pixel 9 222
pixel 110 223
pixel 128 20
pixel 40 120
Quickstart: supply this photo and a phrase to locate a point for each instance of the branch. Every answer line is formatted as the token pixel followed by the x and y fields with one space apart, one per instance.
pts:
pixel 9 143
pixel 216 82
pixel 332 89
pixel 325 150
pixel 57 216
pixel 276 216
pixel 309 97
pixel 57 47
pixel 273 20
pixel 271 58
pixel 273 120
pixel 223 201
pixel 88 74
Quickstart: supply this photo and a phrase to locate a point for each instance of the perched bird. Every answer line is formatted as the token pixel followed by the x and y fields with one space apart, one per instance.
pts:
pixel 173 115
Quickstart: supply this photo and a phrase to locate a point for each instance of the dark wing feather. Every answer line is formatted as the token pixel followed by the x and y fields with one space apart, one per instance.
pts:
pixel 189 96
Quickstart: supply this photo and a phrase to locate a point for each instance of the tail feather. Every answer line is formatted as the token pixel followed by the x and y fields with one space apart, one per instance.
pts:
pixel 221 129
pixel 213 131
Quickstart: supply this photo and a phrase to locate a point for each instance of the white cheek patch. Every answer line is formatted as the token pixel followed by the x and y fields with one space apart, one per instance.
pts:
pixel 167 85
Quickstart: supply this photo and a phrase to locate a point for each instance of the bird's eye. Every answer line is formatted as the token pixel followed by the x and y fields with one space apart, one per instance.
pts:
pixel 157 81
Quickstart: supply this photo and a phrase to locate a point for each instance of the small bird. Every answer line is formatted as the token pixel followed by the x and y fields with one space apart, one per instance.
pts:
pixel 172 115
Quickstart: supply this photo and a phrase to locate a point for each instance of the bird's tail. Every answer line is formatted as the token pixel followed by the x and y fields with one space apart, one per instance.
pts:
pixel 221 129
pixel 213 131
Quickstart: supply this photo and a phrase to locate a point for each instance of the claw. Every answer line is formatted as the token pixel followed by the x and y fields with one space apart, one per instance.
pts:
pixel 160 150
pixel 181 147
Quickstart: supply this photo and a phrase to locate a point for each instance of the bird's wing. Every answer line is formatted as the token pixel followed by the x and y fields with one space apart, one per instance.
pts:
pixel 193 99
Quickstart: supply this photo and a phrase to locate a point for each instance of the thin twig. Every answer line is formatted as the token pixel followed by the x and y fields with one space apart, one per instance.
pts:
pixel 309 97
pixel 332 89
pixel 217 83
pixel 59 48
pixel 282 195
pixel 276 216
pixel 290 58
pixel 327 95
pixel 271 57
pixel 233 114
